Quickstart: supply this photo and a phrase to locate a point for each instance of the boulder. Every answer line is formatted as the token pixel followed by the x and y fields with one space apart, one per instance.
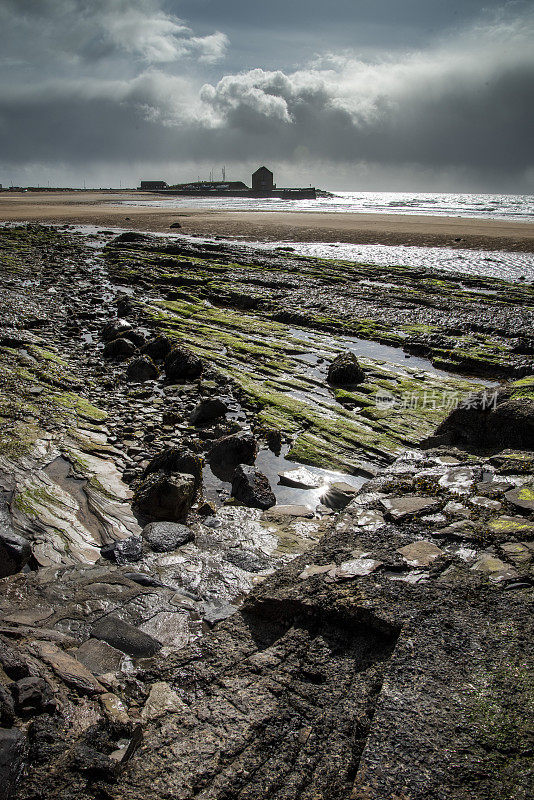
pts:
pixel 166 497
pixel 163 537
pixel 208 410
pixel 177 459
pixel 12 759
pixel 125 637
pixel 15 552
pixel 115 328
pixel 345 370
pixel 181 364
pixel 32 695
pixel 252 488
pixel 338 495
pixel 488 422
pixel 136 337
pixel 121 349
pixel 157 348
pixel 142 369
pixel 124 551
pixel 230 451
pixel 131 236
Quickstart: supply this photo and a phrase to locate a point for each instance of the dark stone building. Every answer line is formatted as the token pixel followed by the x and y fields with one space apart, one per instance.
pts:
pixel 153 186
pixel 262 180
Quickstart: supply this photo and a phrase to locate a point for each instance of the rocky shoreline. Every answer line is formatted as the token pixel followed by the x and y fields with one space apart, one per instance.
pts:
pixel 175 620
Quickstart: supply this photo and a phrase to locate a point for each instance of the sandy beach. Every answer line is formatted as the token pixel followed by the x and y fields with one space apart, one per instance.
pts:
pixel 103 209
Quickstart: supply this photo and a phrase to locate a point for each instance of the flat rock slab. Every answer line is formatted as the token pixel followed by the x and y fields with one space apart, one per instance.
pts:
pixel 369 520
pixel 512 525
pixel 486 502
pixel 420 554
pixel 494 568
pixel 99 657
pixel 356 567
pixel 408 505
pixel 68 668
pixel 522 497
pixel 458 479
pixel 300 478
pixel 29 616
pixel 126 637
pixel 288 511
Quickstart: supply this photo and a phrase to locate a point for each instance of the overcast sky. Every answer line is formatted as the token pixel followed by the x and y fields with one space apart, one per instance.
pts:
pixel 345 94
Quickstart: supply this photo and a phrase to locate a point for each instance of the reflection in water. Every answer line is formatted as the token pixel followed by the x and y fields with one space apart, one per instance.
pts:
pixel 271 465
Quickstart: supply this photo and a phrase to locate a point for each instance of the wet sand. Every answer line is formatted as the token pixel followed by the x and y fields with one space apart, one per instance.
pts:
pixel 102 209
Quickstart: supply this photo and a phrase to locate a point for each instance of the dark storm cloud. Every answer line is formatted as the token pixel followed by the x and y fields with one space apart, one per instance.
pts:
pixel 131 81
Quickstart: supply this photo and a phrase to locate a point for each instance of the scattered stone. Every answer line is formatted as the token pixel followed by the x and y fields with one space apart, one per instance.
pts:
pixel 345 370
pixel 162 700
pixel 252 488
pixel 142 369
pixel 166 497
pixel 114 708
pixel 420 554
pixel 69 669
pixel 125 637
pixel 181 364
pixel 208 410
pixel 15 552
pixel 522 497
pixel 175 225
pixel 123 551
pixel 164 537
pixel 408 505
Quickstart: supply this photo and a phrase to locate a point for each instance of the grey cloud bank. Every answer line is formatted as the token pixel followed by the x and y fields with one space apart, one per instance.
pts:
pixel 106 89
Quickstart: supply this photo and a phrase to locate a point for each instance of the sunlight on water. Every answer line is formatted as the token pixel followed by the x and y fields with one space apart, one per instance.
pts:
pixel 483 206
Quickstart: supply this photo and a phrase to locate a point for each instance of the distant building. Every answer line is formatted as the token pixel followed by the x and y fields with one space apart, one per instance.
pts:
pixel 153 186
pixel 262 180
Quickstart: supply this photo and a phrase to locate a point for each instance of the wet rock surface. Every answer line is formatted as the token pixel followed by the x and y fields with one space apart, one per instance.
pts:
pixel 363 640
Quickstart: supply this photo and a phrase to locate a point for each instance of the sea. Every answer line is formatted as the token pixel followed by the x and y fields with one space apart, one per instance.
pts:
pixel 495 263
